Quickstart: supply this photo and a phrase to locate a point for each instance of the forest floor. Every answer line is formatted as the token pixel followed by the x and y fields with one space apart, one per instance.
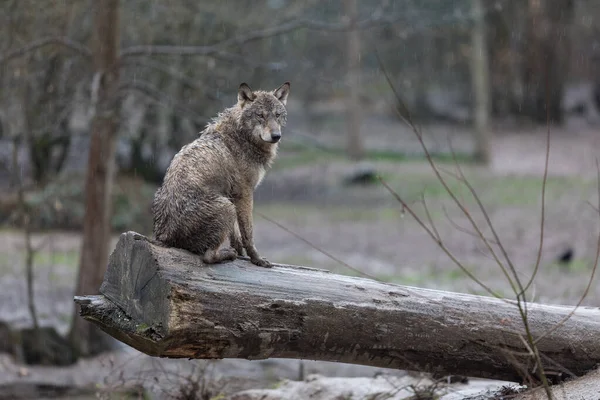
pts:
pixel 363 225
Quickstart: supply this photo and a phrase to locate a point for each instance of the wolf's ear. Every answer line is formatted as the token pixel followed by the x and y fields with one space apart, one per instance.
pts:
pixel 245 94
pixel 281 93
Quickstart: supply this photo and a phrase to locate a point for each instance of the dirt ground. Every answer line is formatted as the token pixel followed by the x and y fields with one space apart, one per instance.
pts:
pixel 365 227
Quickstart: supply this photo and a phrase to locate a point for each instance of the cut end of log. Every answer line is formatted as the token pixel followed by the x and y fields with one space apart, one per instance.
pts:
pixel 106 314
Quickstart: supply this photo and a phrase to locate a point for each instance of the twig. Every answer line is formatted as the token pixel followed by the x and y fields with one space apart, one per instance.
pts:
pixel 428 214
pixel 161 98
pixel 520 294
pixel 438 175
pixel 437 241
pixel 334 258
pixel 173 73
pixel 462 229
pixel 488 220
pixel 62 41
pixel 216 50
pixel 544 181
pixel 589 285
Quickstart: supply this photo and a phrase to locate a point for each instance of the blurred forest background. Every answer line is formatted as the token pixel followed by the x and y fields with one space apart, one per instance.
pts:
pixel 97 96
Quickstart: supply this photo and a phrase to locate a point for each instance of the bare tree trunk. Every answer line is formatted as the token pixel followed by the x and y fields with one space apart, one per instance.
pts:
pixel 5 92
pixel 20 136
pixel 86 338
pixel 355 146
pixel 546 58
pixel 167 303
pixel 26 223
pixel 480 74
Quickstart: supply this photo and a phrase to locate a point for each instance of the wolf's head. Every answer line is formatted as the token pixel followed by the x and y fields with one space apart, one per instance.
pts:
pixel 263 113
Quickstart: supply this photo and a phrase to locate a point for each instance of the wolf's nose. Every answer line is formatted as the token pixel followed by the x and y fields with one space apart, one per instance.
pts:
pixel 275 136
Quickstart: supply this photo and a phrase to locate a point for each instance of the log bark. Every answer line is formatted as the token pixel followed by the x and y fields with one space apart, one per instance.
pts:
pixel 165 302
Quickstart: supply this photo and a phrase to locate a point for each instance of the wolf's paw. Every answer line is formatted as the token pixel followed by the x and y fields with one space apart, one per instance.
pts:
pixel 261 262
pixel 239 250
pixel 214 257
pixel 228 254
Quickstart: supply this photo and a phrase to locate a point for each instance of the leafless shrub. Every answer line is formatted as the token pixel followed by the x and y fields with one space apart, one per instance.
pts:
pixel 534 373
pixel 195 380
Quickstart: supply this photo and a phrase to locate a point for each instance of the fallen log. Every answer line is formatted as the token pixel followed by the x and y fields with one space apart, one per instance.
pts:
pixel 165 302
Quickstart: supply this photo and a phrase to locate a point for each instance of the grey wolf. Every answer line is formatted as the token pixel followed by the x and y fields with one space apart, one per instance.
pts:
pixel 207 193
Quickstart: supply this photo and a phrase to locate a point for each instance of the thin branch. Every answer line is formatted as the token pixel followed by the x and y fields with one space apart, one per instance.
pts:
pixel 558 366
pixel 57 121
pixel 594 207
pixel 408 120
pixel 329 255
pixel 37 44
pixel 488 220
pixel 448 172
pixel 462 229
pixel 437 241
pixel 217 51
pixel 544 181
pixel 212 50
pixel 173 73
pixel 428 214
pixel 161 98
pixel 520 295
pixel 589 285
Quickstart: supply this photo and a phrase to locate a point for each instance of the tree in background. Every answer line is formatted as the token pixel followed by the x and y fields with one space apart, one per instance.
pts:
pixel 355 145
pixel 481 85
pixel 87 339
pixel 39 83
pixel 546 53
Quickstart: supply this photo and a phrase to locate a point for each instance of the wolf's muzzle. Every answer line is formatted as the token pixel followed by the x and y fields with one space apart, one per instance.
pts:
pixel 275 136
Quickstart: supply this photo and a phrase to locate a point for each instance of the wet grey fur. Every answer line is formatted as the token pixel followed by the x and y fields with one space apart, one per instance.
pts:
pixel 207 193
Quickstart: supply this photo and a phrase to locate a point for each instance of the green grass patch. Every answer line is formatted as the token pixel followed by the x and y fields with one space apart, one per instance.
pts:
pixel 576 265
pixel 11 261
pixel 340 214
pixel 6 263
pixel 293 212
pixel 66 318
pixel 298 153
pixel 405 279
pixel 501 191
pixel 424 276
pixel 286 211
pixel 450 275
pixel 6 258
pixel 386 155
pixel 291 160
pixel 296 260
pixel 495 193
pixel 42 258
pixel 67 258
pixel 303 155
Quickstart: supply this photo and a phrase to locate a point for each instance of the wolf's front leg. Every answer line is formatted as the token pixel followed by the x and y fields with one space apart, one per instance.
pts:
pixel 244 214
pixel 235 239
